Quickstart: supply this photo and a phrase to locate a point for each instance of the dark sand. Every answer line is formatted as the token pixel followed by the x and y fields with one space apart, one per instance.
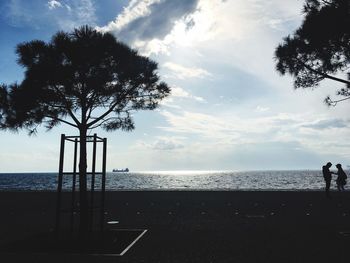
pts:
pixel 198 226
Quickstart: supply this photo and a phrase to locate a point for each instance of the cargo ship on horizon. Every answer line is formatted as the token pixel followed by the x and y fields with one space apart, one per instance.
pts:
pixel 126 170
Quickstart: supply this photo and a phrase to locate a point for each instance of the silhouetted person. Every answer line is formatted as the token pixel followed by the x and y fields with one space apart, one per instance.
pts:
pixel 341 179
pixel 327 175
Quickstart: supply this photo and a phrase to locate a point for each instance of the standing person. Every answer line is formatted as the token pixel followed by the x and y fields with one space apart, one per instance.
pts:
pixel 341 180
pixel 327 175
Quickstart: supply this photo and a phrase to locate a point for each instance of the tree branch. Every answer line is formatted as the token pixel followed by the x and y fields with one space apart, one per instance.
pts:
pixel 71 114
pixel 103 115
pixel 110 109
pixel 324 74
pixel 326 2
pixel 89 113
pixel 331 102
pixel 64 121
pixel 98 125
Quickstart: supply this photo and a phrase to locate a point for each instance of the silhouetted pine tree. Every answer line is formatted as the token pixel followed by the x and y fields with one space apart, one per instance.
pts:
pixel 85 79
pixel 320 48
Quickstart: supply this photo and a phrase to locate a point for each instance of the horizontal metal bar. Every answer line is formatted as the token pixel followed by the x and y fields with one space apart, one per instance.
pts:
pixel 66 137
pixel 87 140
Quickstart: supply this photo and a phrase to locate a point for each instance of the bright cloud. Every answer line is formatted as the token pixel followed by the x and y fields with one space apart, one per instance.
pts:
pixel 183 72
pixel 154 26
pixel 53 4
pixel 135 10
pixel 262 109
pixel 181 93
pixel 163 143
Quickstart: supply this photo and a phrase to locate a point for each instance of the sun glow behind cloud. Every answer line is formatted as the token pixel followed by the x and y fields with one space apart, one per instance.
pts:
pixel 232 35
pixel 194 28
pixel 210 20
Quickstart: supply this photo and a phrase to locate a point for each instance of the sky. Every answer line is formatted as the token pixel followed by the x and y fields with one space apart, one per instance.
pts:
pixel 229 108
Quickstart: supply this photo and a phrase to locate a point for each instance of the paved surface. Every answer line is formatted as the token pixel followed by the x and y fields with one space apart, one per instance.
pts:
pixel 199 226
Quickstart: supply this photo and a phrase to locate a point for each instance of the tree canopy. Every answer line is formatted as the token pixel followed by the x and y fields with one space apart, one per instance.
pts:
pixel 85 79
pixel 320 48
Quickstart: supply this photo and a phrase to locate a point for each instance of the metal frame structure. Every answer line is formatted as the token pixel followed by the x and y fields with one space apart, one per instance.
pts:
pixel 74 209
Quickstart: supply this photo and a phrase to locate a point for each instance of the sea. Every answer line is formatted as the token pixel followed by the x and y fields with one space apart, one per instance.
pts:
pixel 294 180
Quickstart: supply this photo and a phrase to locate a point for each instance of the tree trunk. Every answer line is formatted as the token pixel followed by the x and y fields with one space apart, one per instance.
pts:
pixel 84 209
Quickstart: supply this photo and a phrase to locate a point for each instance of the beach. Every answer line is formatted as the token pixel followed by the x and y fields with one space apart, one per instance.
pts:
pixel 195 226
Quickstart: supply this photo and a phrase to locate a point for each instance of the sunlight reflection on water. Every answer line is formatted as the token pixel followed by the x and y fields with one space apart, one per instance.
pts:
pixel 186 180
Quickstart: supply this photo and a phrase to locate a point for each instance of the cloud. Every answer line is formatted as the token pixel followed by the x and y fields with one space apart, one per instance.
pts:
pixel 261 109
pixel 327 124
pixel 240 156
pixel 65 15
pixel 181 93
pixel 228 130
pixel 149 19
pixel 227 31
pixel 18 13
pixel 53 4
pixel 75 14
pixel 155 26
pixel 216 126
pixel 203 126
pixel 163 144
pixel 183 72
pixel 278 141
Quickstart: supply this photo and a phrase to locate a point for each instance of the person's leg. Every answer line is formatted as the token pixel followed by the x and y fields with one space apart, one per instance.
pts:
pixel 328 185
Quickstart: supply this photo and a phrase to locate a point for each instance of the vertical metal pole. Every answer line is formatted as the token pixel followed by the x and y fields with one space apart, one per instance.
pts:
pixel 74 183
pixel 93 179
pixel 59 186
pixel 103 183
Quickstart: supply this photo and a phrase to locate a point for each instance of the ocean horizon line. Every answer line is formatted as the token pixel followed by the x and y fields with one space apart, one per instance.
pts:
pixel 184 171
